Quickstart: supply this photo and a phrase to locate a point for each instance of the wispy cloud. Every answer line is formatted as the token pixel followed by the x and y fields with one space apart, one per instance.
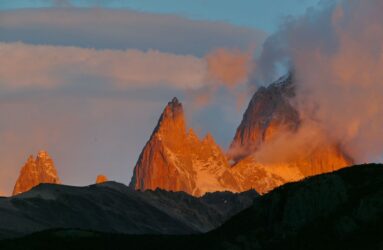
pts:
pixel 88 85
pixel 122 29
pixel 336 52
pixel 47 66
pixel 75 101
pixel 230 67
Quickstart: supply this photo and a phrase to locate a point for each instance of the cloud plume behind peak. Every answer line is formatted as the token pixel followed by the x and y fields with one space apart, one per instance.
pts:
pixel 336 52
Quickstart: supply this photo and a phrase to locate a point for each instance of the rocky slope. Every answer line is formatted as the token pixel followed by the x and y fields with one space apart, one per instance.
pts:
pixel 35 171
pixel 113 207
pixel 263 177
pixel 176 159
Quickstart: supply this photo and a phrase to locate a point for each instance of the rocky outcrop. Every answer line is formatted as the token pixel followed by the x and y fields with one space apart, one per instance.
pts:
pixel 270 116
pixel 35 171
pixel 269 113
pixel 252 175
pixel 176 159
pixel 101 179
pixel 263 177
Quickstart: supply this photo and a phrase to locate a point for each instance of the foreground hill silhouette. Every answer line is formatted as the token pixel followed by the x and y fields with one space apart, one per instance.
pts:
pixel 339 210
pixel 114 207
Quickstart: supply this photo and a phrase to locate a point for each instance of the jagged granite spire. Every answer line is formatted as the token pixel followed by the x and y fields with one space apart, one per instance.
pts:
pixel 174 159
pixel 36 171
pixel 269 112
pixel 177 160
pixel 270 116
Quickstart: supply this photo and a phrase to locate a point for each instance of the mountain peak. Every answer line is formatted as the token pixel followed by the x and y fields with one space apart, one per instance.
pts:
pixel 174 101
pixel 36 171
pixel 270 116
pixel 174 109
pixel 31 158
pixel 208 138
pixel 171 124
pixel 192 135
pixel 177 160
pixel 101 179
pixel 42 154
pixel 269 112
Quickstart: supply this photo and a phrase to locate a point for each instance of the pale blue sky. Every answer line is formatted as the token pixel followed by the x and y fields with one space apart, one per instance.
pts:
pixel 261 14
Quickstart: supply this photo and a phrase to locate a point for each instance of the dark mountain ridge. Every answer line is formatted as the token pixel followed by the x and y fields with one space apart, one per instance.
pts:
pixel 116 208
pixel 338 210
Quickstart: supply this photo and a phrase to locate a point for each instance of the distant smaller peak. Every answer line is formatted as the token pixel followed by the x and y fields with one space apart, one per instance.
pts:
pixel 174 108
pixel 208 137
pixel 42 154
pixel 284 80
pixel 31 158
pixel 192 134
pixel 175 100
pixel 101 179
pixel 174 103
pixel 36 171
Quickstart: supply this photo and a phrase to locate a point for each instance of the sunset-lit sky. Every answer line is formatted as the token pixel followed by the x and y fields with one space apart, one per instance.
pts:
pixel 87 80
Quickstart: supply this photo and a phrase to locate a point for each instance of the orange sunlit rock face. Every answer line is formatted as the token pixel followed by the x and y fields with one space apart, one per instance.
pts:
pixel 101 179
pixel 35 171
pixel 269 113
pixel 272 146
pixel 250 173
pixel 176 159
